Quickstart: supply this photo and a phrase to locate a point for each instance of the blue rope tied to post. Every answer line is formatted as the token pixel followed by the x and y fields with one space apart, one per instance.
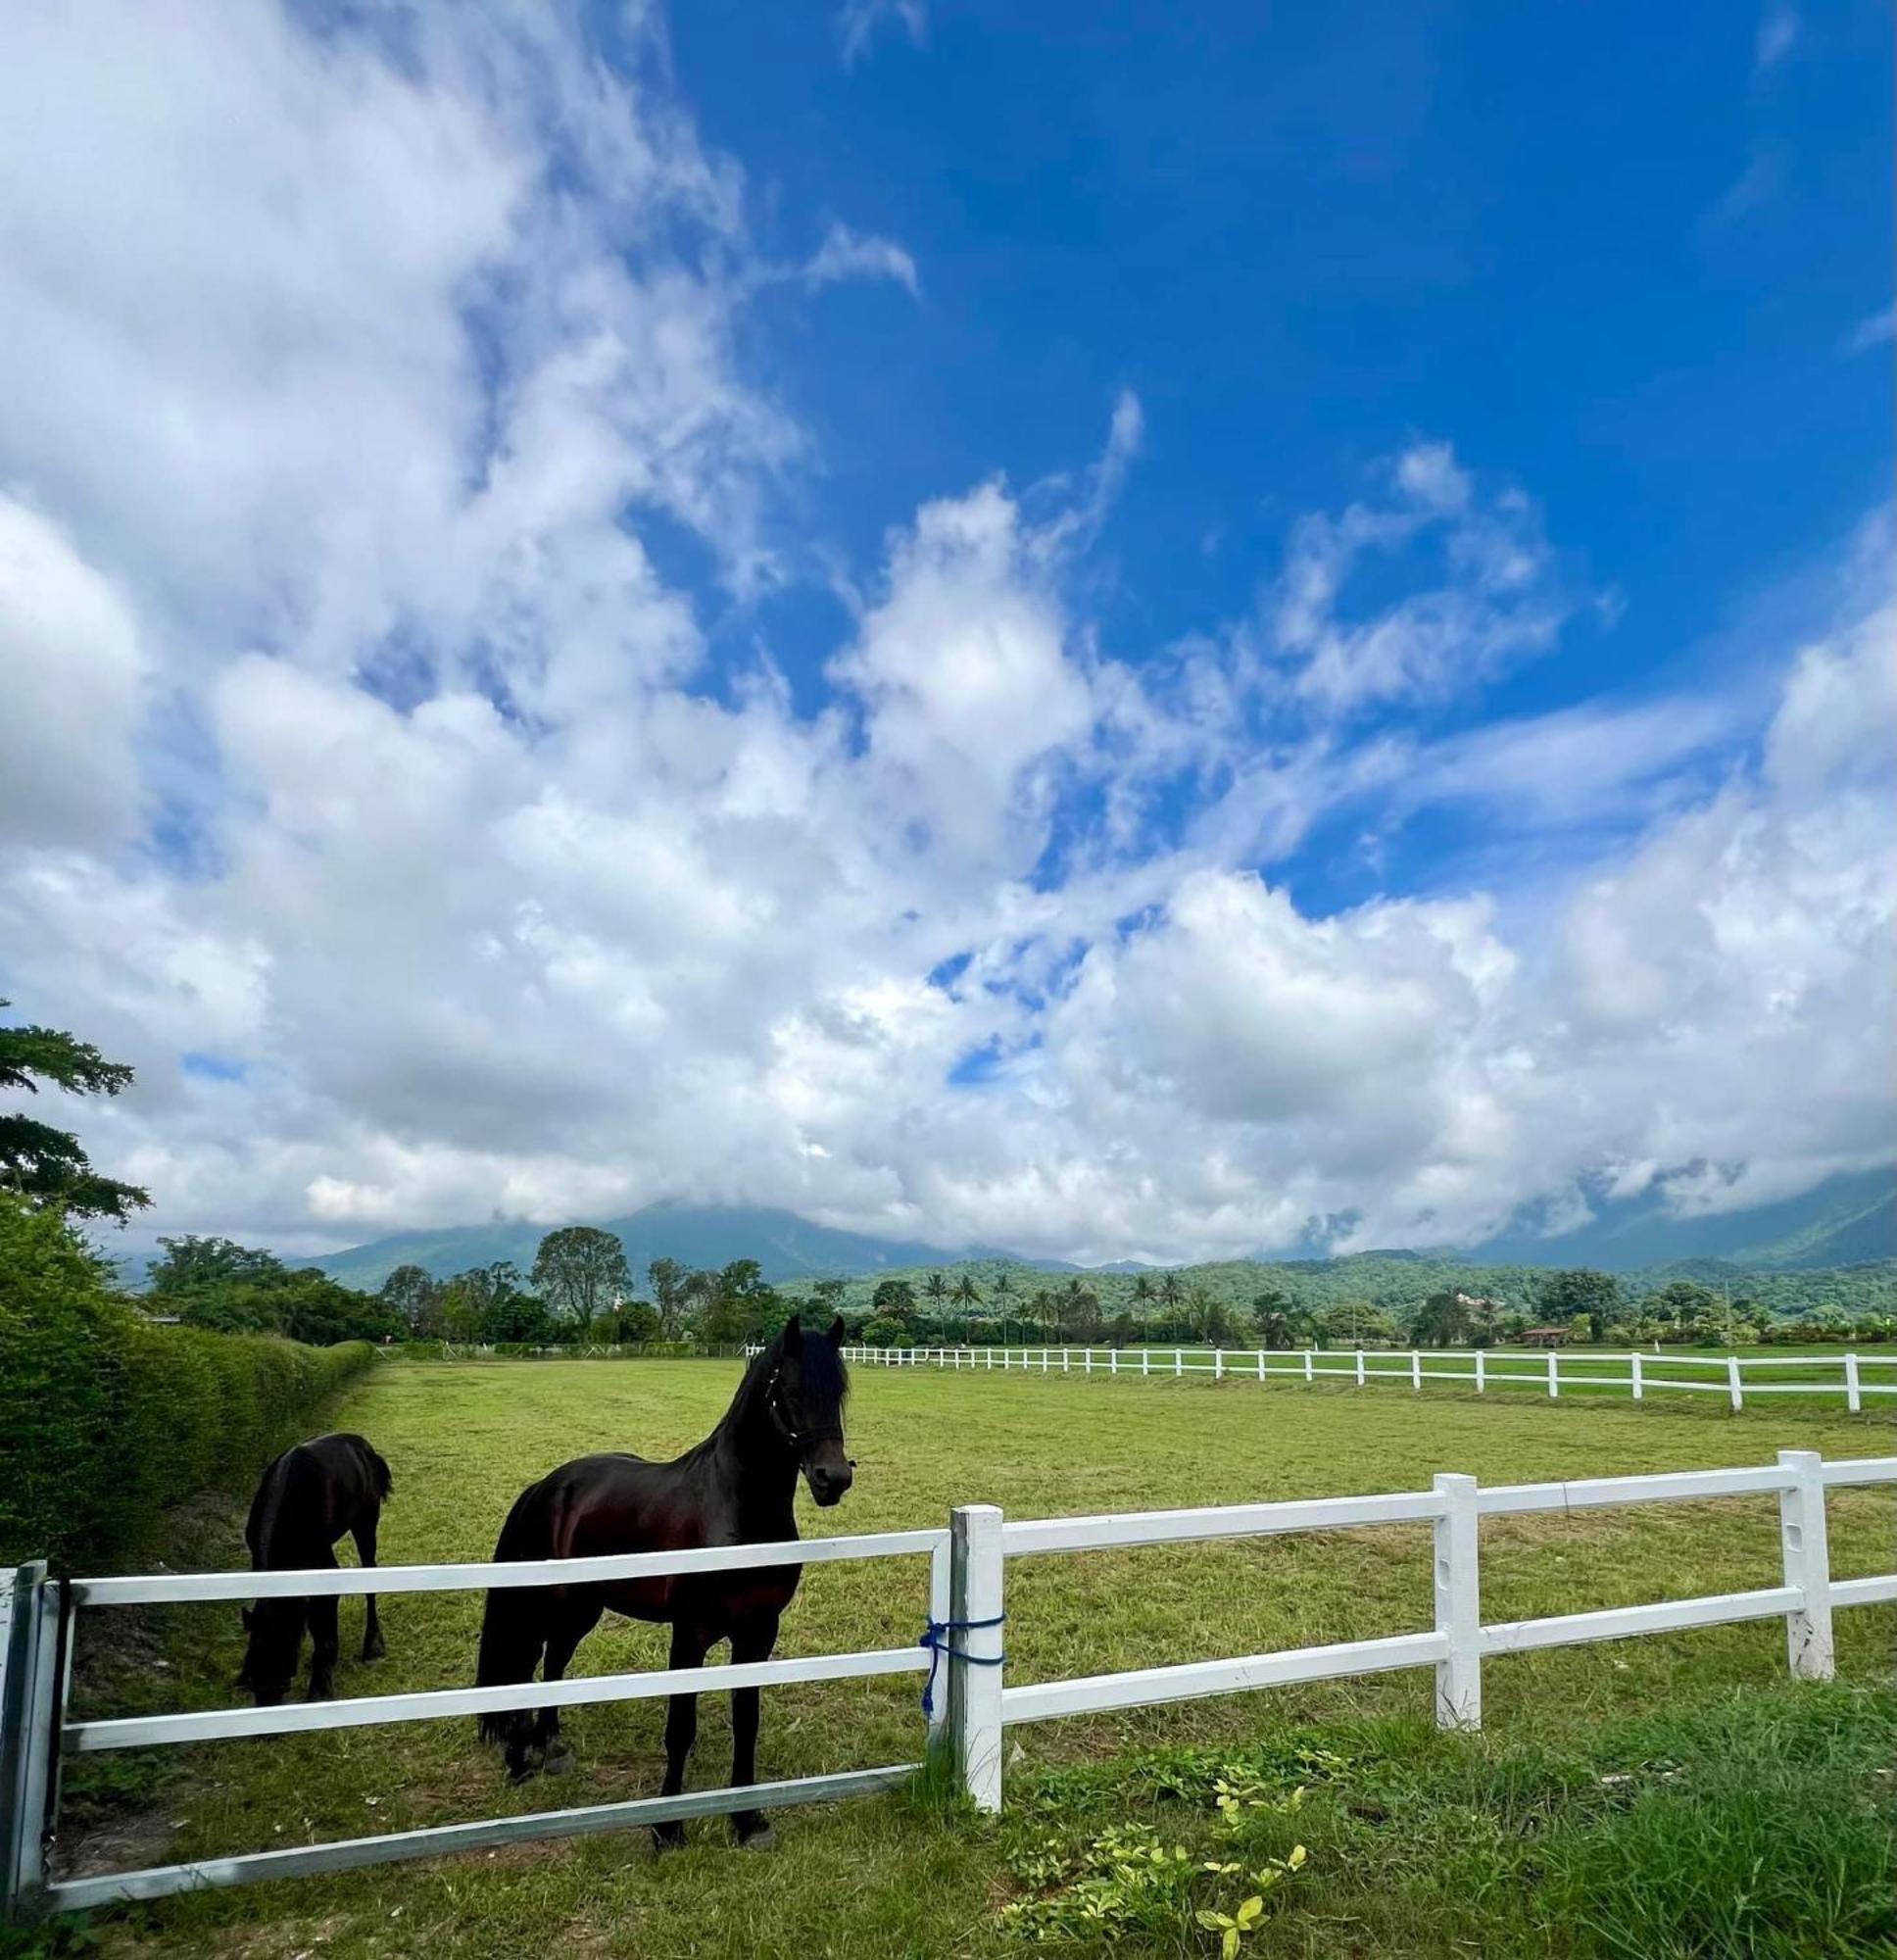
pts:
pixel 933 1638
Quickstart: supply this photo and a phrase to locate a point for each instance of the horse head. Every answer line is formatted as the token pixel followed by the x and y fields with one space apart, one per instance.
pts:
pixel 274 1628
pixel 809 1384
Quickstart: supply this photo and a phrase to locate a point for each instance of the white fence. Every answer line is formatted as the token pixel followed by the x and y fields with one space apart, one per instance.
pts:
pixel 1732 1375
pixel 966 1609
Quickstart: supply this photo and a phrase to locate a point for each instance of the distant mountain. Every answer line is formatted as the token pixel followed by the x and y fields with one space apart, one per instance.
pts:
pixel 787 1246
pixel 1847 1220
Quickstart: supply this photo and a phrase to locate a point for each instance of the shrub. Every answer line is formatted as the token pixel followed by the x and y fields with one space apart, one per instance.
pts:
pixel 106 1418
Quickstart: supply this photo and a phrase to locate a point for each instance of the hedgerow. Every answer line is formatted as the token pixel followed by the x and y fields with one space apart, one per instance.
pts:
pixel 106 1418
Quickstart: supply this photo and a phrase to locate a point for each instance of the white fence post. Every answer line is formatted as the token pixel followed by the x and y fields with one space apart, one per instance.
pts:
pixel 1179 1360
pixel 1087 1361
pixel 1146 1361
pixel 1218 1365
pixel 1261 1364
pixel 1808 1566
pixel 1732 1380
pixel 1853 1389
pixel 1416 1371
pixel 1112 1360
pixel 1311 1368
pixel 1458 1603
pixel 1639 1386
pixel 975 1657
pixel 1481 1384
pixel 1554 1374
pixel 1360 1368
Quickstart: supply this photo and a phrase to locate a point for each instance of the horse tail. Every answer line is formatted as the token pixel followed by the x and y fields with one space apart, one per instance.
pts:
pixel 513 1625
pixel 380 1475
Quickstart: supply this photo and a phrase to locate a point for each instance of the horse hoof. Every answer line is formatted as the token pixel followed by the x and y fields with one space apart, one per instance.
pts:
pixel 560 1759
pixel 321 1692
pixel 373 1651
pixel 759 1837
pixel 668 1837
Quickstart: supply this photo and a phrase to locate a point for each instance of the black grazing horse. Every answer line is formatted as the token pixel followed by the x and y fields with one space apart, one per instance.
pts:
pixel 735 1487
pixel 312 1495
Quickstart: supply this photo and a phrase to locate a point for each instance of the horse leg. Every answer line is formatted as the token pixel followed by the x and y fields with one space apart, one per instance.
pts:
pixel 363 1532
pixel 750 1642
pixel 690 1642
pixel 323 1648
pixel 580 1616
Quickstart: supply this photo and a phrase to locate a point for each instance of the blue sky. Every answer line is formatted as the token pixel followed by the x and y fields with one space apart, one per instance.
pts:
pixel 1098 629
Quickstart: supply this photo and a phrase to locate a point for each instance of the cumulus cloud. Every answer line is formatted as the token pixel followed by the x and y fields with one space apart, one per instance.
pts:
pixel 367 784
pixel 75 673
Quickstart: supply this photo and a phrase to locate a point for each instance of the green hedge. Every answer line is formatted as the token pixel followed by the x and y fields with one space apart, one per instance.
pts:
pixel 105 1418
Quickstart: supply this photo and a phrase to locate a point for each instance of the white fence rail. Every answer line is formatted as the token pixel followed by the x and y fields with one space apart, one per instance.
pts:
pixel 1733 1376
pixel 967 1596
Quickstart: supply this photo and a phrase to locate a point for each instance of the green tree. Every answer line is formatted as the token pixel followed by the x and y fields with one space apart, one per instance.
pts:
pixel 1172 1295
pixel 671 1295
pixel 893 1300
pixel 741 1303
pixel 1566 1296
pixel 410 1292
pixel 47 1165
pixel 1356 1323
pixel 1443 1320
pixel 1275 1318
pixel 969 1295
pixel 1078 1309
pixel 1002 1295
pixel 1143 1295
pixel 938 1289
pixel 580 1271
pixel 233 1289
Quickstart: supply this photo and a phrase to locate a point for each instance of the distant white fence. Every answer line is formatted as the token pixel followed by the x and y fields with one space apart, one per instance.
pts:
pixel 967 1611
pixel 1733 1376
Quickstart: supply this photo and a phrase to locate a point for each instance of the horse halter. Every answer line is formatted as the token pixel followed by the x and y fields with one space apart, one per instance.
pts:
pixel 793 1438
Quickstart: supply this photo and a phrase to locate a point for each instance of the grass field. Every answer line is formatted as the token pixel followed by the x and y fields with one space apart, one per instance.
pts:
pixel 1416 1843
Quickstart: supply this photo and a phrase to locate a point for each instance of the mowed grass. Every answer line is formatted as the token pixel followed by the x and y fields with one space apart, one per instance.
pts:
pixel 890 1876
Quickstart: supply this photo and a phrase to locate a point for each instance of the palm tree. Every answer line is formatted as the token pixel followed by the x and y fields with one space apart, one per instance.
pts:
pixel 969 1295
pixel 1172 1293
pixel 935 1286
pixel 1144 1293
pixel 1003 1292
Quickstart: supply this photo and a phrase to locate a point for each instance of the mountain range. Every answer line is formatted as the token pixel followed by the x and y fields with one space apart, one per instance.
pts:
pixel 1848 1220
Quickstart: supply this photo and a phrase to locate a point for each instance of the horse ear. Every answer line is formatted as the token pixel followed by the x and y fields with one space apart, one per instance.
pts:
pixel 793 1332
pixel 835 1332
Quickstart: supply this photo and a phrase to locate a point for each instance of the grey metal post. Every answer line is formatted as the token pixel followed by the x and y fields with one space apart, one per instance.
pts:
pixel 975 1689
pixel 29 1720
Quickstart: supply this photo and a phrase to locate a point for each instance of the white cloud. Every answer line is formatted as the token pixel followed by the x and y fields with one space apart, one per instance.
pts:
pixel 857 23
pixel 1873 330
pixel 74 673
pixel 845 255
pixel 1778 35
pixel 330 439
pixel 1498 599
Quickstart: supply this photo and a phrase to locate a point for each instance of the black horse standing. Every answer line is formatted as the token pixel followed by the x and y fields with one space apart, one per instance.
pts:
pixel 735 1487
pixel 306 1500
